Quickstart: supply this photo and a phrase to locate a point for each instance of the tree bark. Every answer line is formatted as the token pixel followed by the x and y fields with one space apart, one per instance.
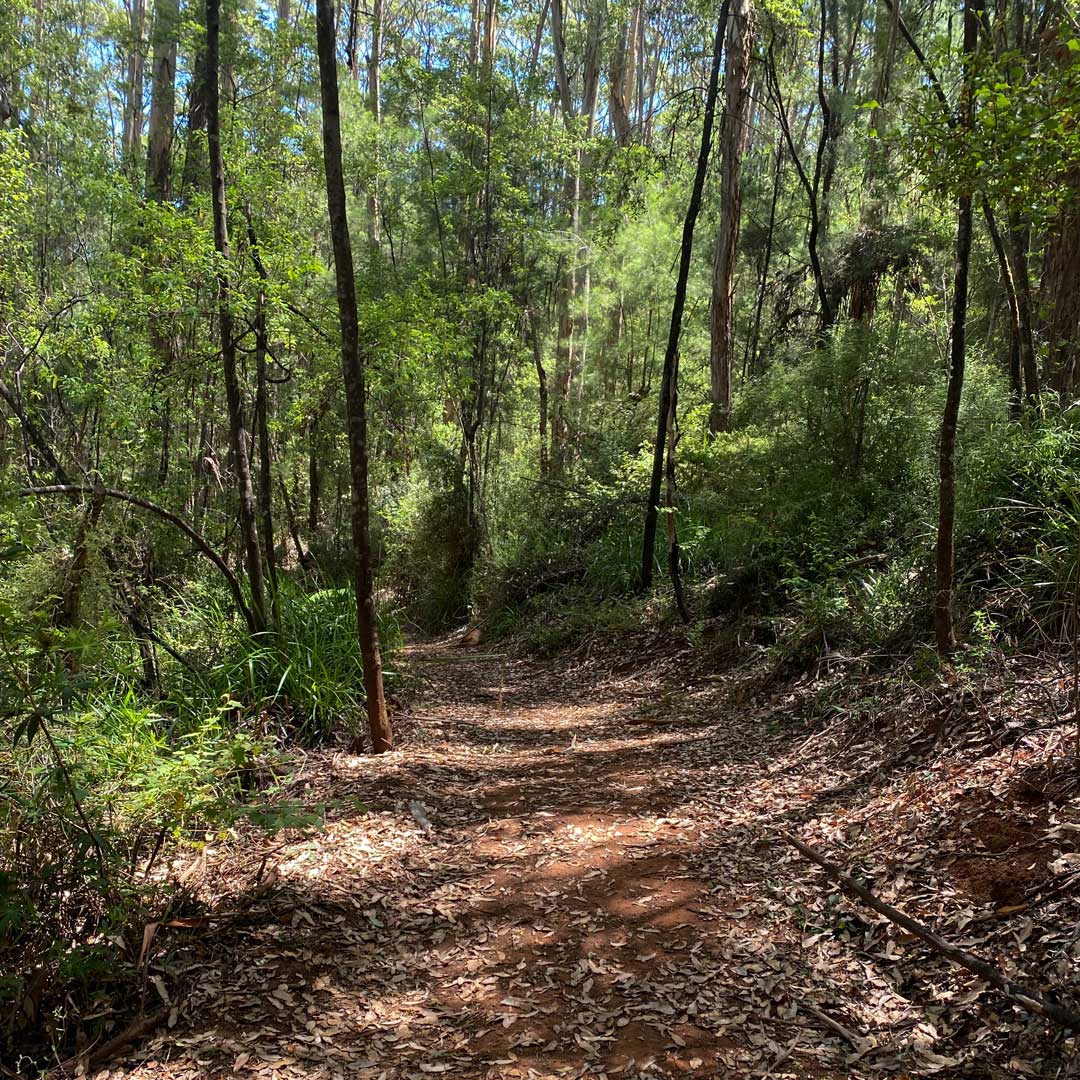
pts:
pixel 734 133
pixel 262 426
pixel 238 437
pixel 352 362
pixel 374 66
pixel 648 549
pixel 162 100
pixel 945 555
pixel 133 103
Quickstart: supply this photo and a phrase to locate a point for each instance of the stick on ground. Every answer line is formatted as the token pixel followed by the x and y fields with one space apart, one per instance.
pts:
pixel 105 1051
pixel 1024 996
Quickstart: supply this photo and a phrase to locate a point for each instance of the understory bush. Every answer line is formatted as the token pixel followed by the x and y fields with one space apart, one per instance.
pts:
pixel 819 506
pixel 108 762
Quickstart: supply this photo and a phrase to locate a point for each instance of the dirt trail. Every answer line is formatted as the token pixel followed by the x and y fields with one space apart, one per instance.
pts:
pixel 597 897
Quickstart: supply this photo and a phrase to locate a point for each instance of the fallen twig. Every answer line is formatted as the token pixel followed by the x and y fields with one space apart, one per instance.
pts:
pixel 1026 997
pixel 859 1042
pixel 98 1055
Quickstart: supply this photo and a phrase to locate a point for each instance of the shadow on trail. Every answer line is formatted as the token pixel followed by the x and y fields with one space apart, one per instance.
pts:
pixel 571 913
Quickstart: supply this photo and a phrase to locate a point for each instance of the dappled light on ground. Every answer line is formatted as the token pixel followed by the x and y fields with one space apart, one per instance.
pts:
pixel 600 894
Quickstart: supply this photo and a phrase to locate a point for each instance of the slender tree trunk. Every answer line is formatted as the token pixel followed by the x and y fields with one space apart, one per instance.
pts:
pixel 542 390
pixel 303 557
pixel 572 325
pixel 674 552
pixel 944 632
pixel 352 41
pixel 1017 247
pixel 766 260
pixel 262 426
pixel 1016 378
pixel 566 285
pixel 648 549
pixel 314 481
pixel 864 287
pixel 810 187
pixel 734 132
pixel 352 362
pixel 819 193
pixel 164 33
pixel 374 66
pixel 621 77
pixel 238 438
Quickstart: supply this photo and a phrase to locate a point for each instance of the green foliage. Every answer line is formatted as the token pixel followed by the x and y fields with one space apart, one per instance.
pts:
pixel 303 682
pixel 97 768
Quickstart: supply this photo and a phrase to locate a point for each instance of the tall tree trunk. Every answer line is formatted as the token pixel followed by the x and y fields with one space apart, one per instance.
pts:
pixel 238 438
pixel 352 41
pixel 810 187
pixel 542 389
pixel 314 481
pixel 648 549
pixel 571 325
pixel 622 77
pixel 164 33
pixel 1016 242
pixel 162 100
pixel 944 632
pixel 734 132
pixel 262 414
pixel 864 288
pixel 567 284
pixel 133 103
pixel 194 155
pixel 751 361
pixel 352 362
pixel 674 553
pixel 374 66
pixel 1015 366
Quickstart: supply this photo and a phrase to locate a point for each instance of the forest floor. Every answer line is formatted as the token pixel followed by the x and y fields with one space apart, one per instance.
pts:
pixel 602 890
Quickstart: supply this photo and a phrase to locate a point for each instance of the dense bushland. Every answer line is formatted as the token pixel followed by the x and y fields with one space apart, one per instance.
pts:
pixel 308 314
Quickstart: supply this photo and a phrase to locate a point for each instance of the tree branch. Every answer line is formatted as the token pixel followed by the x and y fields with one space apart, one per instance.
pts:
pixel 1027 998
pixel 136 500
